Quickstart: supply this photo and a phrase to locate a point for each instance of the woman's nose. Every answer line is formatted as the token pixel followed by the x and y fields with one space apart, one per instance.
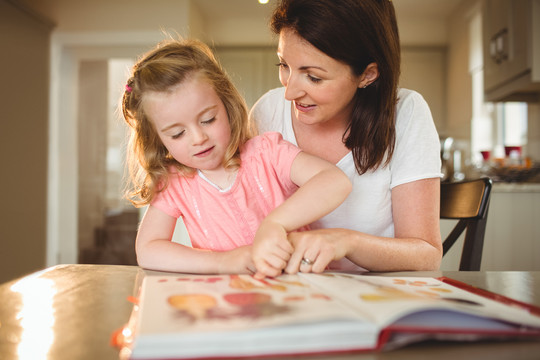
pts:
pixel 293 89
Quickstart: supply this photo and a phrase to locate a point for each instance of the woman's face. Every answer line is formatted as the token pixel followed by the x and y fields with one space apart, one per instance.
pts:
pixel 320 87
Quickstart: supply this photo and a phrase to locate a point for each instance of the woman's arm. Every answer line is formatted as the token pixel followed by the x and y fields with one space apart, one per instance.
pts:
pixel 322 188
pixel 416 245
pixel 156 251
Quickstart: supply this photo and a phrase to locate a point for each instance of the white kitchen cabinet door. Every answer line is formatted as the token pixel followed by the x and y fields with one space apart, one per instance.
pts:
pixel 512 240
pixel 513 232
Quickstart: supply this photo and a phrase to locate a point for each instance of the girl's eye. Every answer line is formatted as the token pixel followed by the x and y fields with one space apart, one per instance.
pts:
pixel 209 121
pixel 176 136
pixel 282 65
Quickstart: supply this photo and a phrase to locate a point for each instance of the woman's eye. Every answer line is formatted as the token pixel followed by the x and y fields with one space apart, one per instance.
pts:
pixel 314 79
pixel 282 65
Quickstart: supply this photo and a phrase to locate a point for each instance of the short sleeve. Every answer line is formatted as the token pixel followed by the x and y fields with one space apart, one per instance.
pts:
pixel 165 199
pixel 272 112
pixel 274 156
pixel 417 151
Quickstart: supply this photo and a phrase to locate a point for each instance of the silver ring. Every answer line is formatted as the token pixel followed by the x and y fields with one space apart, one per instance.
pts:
pixel 306 261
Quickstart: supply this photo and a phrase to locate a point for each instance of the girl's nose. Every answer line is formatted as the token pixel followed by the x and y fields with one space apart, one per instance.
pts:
pixel 199 136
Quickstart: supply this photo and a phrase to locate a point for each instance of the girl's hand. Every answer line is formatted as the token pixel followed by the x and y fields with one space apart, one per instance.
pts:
pixel 315 249
pixel 237 261
pixel 271 249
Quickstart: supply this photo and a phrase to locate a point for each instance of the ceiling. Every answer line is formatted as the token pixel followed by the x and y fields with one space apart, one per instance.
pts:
pixel 437 9
pixel 215 9
pixel 414 17
pixel 405 9
pixel 421 22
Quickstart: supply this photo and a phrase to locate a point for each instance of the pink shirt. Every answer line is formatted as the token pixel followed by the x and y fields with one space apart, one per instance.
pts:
pixel 226 219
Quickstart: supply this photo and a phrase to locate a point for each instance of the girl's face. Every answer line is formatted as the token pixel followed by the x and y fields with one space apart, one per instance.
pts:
pixel 192 123
pixel 320 87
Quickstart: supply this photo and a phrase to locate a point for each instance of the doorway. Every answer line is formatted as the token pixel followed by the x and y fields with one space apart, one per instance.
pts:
pixel 107 223
pixel 87 219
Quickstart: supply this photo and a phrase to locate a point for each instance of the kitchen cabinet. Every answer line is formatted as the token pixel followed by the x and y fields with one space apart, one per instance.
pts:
pixel 512 240
pixel 511 31
pixel 252 70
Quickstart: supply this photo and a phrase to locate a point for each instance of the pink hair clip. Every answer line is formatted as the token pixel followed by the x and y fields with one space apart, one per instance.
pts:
pixel 129 88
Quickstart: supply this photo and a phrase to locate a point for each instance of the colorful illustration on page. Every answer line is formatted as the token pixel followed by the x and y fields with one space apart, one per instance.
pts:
pixel 249 298
pixel 406 289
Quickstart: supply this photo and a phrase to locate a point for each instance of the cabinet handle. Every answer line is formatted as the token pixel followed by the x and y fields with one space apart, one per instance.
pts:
pixel 493 48
pixel 498 46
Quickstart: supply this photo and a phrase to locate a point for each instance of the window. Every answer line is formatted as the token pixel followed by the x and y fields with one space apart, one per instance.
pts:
pixel 494 125
pixel 501 127
pixel 511 119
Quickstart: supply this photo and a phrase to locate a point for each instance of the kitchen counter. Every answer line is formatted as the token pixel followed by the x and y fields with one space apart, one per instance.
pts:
pixel 511 187
pixel 512 240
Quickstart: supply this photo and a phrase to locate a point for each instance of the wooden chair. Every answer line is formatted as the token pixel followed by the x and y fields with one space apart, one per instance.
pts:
pixel 468 202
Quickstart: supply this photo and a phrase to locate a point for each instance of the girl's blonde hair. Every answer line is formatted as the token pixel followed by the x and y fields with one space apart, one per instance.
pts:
pixel 162 70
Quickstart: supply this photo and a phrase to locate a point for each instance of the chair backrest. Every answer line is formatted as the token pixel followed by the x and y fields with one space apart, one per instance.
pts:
pixel 468 202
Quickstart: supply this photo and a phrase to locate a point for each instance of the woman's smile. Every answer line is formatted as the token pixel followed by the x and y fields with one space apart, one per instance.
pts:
pixel 303 107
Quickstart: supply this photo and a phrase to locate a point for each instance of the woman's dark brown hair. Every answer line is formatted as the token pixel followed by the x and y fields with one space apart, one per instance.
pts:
pixel 357 33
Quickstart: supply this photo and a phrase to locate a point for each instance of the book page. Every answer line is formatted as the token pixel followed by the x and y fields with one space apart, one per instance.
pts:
pixel 199 303
pixel 178 315
pixel 383 300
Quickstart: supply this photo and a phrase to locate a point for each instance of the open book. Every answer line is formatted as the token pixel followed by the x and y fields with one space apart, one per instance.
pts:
pixel 219 316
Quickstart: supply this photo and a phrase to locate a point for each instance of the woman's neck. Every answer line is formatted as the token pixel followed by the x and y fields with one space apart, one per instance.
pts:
pixel 324 140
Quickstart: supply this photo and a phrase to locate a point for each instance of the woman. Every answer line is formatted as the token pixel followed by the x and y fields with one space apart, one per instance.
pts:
pixel 339 64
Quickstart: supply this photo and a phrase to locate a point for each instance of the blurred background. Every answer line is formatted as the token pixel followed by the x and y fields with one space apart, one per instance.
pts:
pixel 63 68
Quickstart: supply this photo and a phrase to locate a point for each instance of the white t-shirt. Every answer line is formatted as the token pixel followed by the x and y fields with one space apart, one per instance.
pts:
pixel 368 208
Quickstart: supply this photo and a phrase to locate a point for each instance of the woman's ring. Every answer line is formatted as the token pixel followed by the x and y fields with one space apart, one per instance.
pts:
pixel 306 261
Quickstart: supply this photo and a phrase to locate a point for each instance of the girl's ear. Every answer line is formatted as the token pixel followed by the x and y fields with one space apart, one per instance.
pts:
pixel 370 74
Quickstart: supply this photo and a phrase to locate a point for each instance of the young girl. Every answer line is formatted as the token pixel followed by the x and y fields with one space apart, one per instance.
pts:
pixel 193 154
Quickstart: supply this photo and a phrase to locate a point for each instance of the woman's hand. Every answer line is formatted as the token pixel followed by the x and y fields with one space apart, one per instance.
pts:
pixel 271 249
pixel 315 249
pixel 416 246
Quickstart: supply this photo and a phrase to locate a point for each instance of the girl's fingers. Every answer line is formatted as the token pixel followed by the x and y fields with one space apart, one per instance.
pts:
pixel 287 247
pixel 266 270
pixel 276 262
pixel 281 254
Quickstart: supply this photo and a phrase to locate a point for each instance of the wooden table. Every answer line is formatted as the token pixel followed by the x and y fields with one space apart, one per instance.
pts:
pixel 70 312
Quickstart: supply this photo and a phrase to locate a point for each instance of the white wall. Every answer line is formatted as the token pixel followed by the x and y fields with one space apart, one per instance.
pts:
pixel 424 70
pixel 252 69
pixel 117 15
pixel 459 96
pixel 24 40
